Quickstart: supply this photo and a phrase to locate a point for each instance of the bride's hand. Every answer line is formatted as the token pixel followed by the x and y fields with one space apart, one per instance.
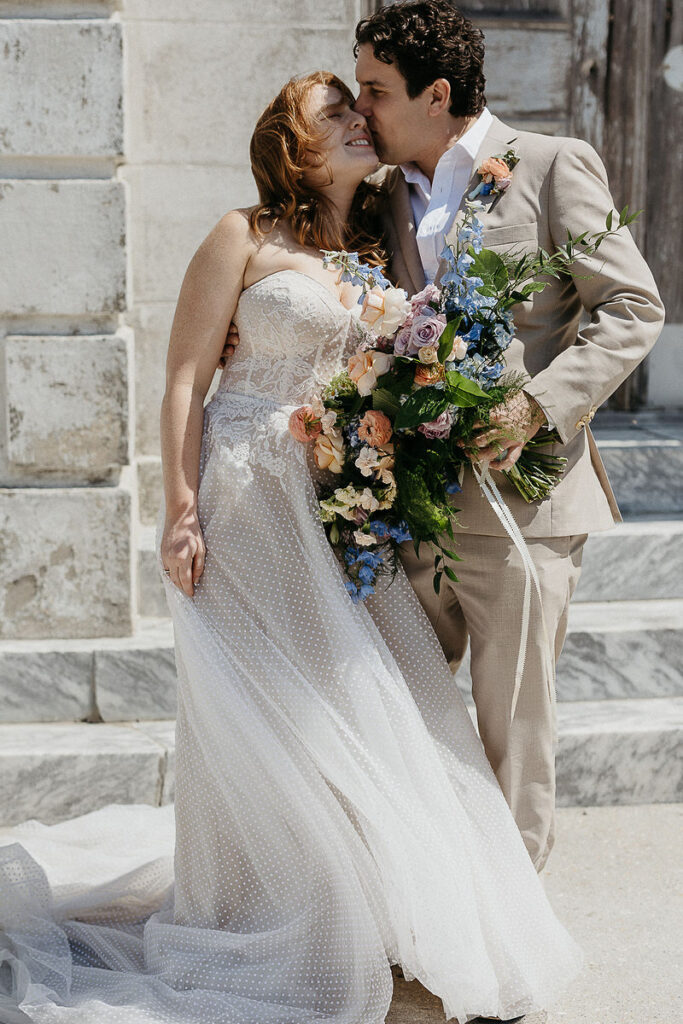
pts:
pixel 183 550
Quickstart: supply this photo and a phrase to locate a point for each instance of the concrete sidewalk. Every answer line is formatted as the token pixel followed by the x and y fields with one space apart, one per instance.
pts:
pixel 615 879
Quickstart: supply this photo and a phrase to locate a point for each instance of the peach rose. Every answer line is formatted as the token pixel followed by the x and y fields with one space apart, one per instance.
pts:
pixel 494 168
pixel 365 367
pixel 375 428
pixel 329 451
pixel 426 375
pixel 304 425
pixel 384 311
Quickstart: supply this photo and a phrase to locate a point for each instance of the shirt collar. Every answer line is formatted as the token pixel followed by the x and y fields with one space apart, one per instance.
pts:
pixel 469 142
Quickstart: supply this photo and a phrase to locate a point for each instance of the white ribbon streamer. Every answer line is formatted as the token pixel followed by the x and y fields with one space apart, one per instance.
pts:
pixel 494 498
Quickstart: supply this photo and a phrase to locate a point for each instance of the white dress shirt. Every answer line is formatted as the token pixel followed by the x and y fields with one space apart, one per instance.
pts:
pixel 435 203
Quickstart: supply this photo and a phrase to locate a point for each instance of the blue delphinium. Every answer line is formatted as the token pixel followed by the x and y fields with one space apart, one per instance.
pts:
pixel 503 335
pixel 352 432
pixel 358 593
pixel 491 373
pixel 355 271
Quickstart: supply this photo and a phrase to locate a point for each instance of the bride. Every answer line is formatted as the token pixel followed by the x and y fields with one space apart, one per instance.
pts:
pixel 335 813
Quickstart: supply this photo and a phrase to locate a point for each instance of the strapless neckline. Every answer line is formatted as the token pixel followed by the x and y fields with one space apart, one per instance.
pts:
pixel 299 273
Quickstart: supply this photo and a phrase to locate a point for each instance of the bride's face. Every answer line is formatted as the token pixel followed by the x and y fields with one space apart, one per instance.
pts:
pixel 346 151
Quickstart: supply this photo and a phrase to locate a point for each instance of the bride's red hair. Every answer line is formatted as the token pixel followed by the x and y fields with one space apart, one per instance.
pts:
pixel 284 139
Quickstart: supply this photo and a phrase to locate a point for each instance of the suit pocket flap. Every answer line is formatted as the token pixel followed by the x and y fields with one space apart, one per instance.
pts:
pixel 508 234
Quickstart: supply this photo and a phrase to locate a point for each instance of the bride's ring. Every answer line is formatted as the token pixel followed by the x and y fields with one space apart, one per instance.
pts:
pixel 167 571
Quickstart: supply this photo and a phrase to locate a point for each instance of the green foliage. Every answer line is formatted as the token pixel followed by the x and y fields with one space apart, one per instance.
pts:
pixel 422 406
pixel 385 401
pixel 492 269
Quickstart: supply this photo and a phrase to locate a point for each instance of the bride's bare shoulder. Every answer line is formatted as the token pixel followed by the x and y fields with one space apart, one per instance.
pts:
pixel 233 229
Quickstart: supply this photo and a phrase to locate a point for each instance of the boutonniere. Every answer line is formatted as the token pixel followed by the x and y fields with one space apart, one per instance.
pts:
pixel 496 176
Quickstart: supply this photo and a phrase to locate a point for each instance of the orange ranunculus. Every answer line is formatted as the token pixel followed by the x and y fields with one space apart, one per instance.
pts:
pixel 428 374
pixel 494 168
pixel 304 425
pixel 375 428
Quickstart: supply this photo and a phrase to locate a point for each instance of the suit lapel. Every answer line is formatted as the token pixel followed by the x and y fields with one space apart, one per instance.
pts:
pixel 498 138
pixel 402 227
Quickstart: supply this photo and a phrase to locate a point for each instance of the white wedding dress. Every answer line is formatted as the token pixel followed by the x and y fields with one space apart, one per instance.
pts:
pixel 334 809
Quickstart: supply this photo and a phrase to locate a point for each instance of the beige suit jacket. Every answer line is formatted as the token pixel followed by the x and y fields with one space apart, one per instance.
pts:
pixel 558 184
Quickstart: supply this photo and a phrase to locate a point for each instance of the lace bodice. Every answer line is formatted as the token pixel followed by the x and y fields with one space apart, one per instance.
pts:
pixel 294 336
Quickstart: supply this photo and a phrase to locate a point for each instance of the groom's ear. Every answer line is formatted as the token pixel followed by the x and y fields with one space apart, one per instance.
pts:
pixel 438 95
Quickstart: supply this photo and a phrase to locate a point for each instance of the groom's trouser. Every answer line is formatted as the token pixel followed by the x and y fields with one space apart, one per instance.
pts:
pixel 486 605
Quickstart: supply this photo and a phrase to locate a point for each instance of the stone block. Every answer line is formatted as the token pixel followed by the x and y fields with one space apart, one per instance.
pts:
pixel 44 685
pixel 152 325
pixel 71 234
pixel 67 405
pixel 65 555
pixel 622 649
pixel 207 113
pixel 615 650
pixel 58 680
pixel 636 561
pixel 150 488
pixel 644 462
pixel 53 772
pixel 135 683
pixel 665 369
pixel 61 87
pixel 620 752
pixel 172 209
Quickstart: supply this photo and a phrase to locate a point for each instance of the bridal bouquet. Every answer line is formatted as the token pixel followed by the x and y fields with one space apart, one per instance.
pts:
pixel 395 427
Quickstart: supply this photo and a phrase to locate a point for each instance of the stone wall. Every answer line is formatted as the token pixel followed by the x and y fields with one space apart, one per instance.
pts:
pixel 124 131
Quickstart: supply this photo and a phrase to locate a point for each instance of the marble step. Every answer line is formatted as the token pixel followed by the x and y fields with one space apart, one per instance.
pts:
pixel 616 752
pixel 613 650
pixel 639 560
pixel 643 455
pixel 616 650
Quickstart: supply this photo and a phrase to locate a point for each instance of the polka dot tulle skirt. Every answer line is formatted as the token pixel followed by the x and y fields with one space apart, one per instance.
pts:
pixel 334 810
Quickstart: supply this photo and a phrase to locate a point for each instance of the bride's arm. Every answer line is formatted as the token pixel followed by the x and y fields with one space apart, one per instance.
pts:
pixel 206 304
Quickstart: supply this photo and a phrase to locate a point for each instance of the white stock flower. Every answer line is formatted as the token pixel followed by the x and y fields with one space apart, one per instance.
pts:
pixel 364 540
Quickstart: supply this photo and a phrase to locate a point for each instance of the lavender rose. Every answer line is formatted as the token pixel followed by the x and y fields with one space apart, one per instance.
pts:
pixel 425 330
pixel 440 428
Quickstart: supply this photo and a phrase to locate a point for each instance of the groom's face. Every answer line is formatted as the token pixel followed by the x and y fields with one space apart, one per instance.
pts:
pixel 397 122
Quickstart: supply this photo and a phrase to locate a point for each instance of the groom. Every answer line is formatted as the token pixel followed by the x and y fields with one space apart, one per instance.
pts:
pixel 420 74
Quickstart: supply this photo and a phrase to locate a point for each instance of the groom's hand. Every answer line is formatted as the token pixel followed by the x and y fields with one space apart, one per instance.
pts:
pixel 511 425
pixel 231 342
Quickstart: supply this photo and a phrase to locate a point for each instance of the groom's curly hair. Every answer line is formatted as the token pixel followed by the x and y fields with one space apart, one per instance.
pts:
pixel 430 39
